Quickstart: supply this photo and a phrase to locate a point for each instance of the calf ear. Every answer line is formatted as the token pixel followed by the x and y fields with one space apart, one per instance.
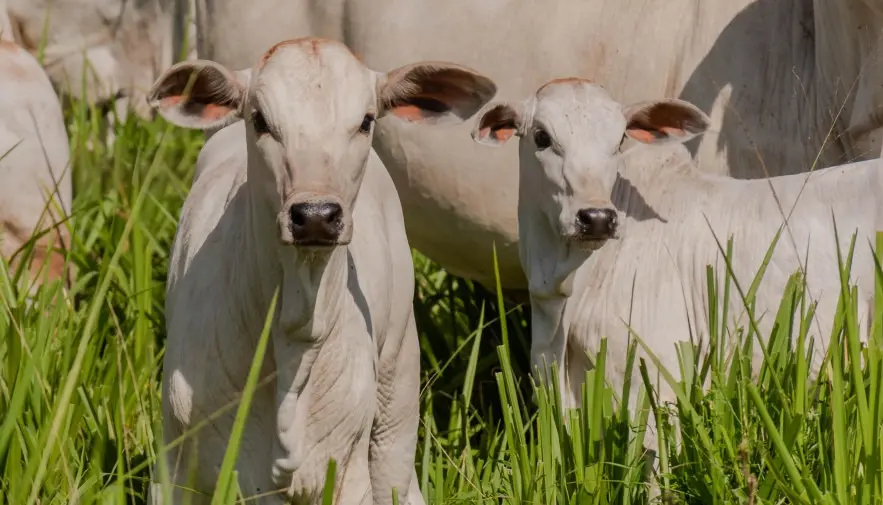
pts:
pixel 498 124
pixel 199 94
pixel 434 92
pixel 664 121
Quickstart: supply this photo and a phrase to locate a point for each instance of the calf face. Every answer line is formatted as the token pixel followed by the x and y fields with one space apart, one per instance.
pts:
pixel 310 107
pixel 571 132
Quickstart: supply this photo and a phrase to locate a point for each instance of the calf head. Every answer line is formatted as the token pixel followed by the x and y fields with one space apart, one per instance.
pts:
pixel 571 131
pixel 310 107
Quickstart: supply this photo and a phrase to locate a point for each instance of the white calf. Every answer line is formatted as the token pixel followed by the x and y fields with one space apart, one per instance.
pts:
pixel 612 224
pixel 294 196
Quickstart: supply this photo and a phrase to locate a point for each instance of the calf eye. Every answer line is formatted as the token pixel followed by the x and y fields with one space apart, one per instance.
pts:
pixel 260 124
pixel 366 124
pixel 541 138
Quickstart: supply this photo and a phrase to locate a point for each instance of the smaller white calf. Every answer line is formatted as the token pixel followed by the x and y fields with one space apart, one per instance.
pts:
pixel 35 180
pixel 294 196
pixel 612 227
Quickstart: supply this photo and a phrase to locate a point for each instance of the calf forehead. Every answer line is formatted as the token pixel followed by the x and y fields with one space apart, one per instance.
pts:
pixel 317 70
pixel 580 108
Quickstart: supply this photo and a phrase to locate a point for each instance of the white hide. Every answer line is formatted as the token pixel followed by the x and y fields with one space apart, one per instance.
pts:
pixel 35 179
pixel 100 50
pixel 652 273
pixel 773 75
pixel 342 369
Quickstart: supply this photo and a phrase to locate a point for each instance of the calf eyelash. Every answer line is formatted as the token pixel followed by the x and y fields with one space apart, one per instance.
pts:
pixel 260 123
pixel 367 121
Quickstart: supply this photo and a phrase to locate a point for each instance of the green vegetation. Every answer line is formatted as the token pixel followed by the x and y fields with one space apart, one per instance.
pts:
pixel 79 378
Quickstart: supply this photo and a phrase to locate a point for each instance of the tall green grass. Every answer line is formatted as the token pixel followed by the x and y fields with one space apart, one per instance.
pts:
pixel 79 377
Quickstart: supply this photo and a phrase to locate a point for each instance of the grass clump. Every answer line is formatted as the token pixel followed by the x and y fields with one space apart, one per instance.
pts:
pixel 80 372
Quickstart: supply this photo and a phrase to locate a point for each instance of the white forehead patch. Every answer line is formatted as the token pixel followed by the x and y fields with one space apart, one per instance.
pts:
pixel 312 81
pixel 578 108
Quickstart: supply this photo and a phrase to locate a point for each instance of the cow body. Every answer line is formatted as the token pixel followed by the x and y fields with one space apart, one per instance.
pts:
pixel 294 197
pixel 100 50
pixel 617 227
pixel 35 179
pixel 654 276
pixel 773 74
pixel 329 367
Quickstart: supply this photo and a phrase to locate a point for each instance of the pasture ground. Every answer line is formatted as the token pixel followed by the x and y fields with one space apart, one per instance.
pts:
pixel 80 402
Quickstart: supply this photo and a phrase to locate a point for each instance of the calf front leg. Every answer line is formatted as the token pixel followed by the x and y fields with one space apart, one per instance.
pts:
pixel 293 362
pixel 394 433
pixel 325 398
pixel 548 346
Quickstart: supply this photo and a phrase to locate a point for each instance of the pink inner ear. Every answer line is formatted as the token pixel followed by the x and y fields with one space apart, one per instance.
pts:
pixel 170 101
pixel 208 112
pixel 641 135
pixel 212 112
pixel 408 112
pixel 504 134
pixel 672 131
pixel 500 135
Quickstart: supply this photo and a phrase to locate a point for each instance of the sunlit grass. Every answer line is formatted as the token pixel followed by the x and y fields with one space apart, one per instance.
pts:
pixel 79 377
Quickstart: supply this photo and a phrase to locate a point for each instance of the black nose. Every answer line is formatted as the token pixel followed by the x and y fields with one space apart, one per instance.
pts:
pixel 597 224
pixel 316 223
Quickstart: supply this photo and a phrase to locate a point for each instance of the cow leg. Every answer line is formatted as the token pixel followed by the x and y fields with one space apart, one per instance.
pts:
pixel 47 261
pixel 578 362
pixel 354 477
pixel 548 345
pixel 194 464
pixel 181 464
pixel 394 434
pixel 180 492
pixel 115 115
pixel 415 497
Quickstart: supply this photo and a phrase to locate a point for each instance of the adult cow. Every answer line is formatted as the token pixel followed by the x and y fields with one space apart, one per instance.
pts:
pixel 294 196
pixel 617 226
pixel 35 179
pixel 101 50
pixel 772 73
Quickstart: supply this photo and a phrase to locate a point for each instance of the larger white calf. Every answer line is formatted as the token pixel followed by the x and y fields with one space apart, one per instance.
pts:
pixel 612 222
pixel 294 196
pixel 35 179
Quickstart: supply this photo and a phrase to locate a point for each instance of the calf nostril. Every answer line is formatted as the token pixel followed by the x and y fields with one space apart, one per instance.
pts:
pixel 298 216
pixel 611 217
pixel 315 221
pixel 333 213
pixel 596 222
pixel 584 216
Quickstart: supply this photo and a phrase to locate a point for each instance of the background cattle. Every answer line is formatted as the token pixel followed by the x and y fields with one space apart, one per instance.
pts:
pixel 294 196
pixel 779 78
pixel 35 179
pixel 617 226
pixel 102 51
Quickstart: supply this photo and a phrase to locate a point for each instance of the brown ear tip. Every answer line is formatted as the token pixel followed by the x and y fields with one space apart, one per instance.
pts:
pixel 705 120
pixel 489 85
pixel 698 123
